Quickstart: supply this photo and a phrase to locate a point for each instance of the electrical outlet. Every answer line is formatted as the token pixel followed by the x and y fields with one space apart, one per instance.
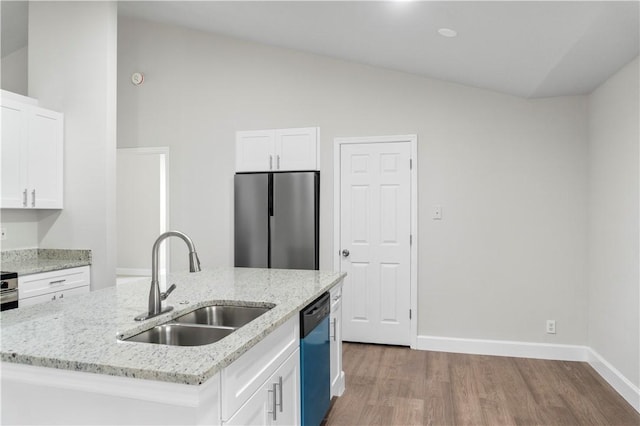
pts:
pixel 551 326
pixel 437 212
pixel 3 232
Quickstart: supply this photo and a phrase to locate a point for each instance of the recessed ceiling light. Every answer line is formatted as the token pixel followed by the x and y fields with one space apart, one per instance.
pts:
pixel 447 32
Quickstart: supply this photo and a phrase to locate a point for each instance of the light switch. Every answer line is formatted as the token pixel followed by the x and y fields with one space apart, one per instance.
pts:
pixel 437 212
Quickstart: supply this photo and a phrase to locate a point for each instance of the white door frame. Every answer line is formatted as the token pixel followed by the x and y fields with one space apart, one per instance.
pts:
pixel 413 140
pixel 164 212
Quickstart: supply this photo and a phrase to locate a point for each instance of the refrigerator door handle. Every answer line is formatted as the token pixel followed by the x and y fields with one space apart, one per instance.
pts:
pixel 270 195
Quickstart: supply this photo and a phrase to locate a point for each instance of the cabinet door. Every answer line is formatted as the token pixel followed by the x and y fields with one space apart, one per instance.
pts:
pixel 277 402
pixel 36 299
pixel 60 295
pixel 296 149
pixel 254 411
pixel 287 379
pixel 50 297
pixel 45 158
pixel 335 340
pixel 13 154
pixel 255 151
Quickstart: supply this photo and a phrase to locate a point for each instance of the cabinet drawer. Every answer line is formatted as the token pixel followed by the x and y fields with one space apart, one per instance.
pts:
pixel 246 375
pixel 336 296
pixel 54 281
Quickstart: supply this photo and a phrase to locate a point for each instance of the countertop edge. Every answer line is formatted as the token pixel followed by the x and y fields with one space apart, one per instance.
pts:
pixel 25 272
pixel 34 261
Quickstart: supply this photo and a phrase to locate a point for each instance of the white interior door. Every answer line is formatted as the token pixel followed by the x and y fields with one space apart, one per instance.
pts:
pixel 142 209
pixel 375 232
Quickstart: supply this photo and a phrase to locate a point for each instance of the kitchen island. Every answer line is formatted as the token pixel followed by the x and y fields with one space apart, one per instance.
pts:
pixel 71 355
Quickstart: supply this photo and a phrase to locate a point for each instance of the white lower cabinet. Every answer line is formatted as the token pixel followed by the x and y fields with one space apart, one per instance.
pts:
pixel 288 405
pixel 54 285
pixel 335 341
pixel 58 295
pixel 277 402
pixel 262 387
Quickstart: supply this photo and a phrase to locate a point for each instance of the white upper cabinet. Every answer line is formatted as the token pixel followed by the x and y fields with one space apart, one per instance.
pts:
pixel 45 158
pixel 296 149
pixel 14 154
pixel 277 150
pixel 32 156
pixel 255 150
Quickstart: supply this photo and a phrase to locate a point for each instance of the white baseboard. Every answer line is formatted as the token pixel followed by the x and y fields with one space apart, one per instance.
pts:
pixel 622 385
pixel 502 348
pixel 610 374
pixel 134 272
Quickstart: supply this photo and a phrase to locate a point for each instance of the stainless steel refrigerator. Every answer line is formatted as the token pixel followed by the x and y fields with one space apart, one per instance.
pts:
pixel 277 220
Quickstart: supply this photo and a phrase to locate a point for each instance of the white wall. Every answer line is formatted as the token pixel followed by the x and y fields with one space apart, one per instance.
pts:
pixel 14 72
pixel 614 255
pixel 21 226
pixel 72 68
pixel 510 173
pixel 21 229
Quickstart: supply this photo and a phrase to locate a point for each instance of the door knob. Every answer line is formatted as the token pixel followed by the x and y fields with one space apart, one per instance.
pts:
pixel 345 253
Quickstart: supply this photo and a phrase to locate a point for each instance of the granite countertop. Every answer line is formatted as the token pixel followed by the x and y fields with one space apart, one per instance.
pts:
pixel 81 333
pixel 33 261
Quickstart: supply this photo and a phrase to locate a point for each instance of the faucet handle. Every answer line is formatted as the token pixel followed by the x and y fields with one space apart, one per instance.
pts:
pixel 166 294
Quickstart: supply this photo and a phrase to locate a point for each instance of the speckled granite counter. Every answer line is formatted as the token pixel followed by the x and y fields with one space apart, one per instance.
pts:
pixel 80 333
pixel 33 261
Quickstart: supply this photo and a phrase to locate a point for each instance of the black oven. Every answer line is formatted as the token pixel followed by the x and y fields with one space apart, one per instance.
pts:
pixel 8 290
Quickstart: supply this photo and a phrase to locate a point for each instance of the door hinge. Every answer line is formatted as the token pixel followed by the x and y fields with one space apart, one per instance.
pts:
pixel 410 239
pixel 410 163
pixel 409 313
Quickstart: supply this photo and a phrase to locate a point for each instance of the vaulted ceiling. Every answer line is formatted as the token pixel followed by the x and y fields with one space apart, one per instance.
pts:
pixel 530 49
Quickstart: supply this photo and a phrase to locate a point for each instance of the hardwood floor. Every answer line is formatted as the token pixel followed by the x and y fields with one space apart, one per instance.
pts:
pixel 390 385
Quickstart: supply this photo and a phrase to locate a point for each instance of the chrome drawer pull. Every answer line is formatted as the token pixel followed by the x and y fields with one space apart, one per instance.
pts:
pixel 273 412
pixel 56 282
pixel 335 321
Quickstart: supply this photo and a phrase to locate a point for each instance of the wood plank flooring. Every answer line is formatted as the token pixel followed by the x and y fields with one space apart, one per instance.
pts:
pixel 390 385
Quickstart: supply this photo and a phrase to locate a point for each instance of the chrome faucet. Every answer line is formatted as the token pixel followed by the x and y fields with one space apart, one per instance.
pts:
pixel 155 296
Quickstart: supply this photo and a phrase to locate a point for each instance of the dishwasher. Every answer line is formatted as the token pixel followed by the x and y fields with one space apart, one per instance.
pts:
pixel 315 361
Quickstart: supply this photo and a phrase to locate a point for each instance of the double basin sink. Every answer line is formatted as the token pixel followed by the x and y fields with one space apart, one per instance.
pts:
pixel 201 327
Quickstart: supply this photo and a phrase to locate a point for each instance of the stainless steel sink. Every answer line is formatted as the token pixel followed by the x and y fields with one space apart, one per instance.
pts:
pixel 181 335
pixel 225 315
pixel 201 327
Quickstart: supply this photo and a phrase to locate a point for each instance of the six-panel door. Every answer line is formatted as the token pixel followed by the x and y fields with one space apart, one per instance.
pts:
pixel 375 205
